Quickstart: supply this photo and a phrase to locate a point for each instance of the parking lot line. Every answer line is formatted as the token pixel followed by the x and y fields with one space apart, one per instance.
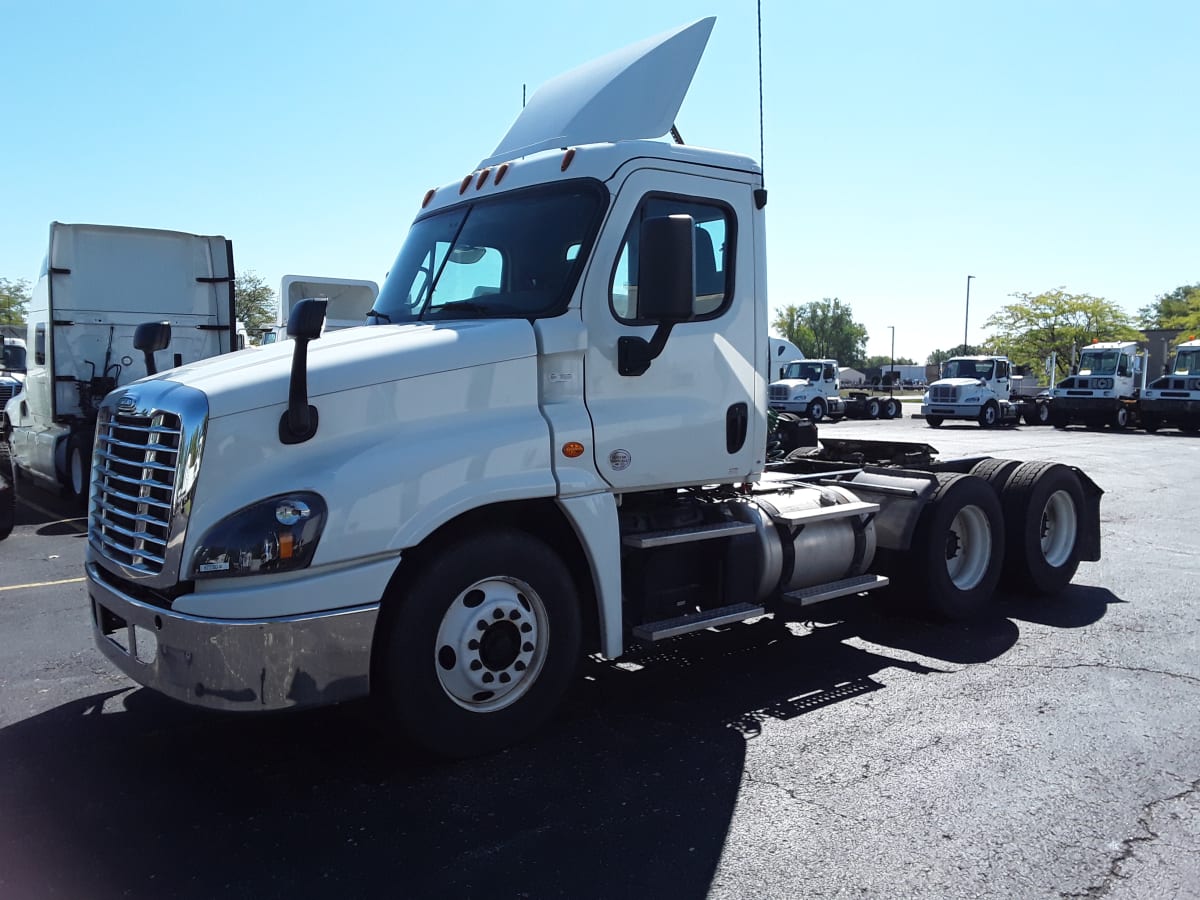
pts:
pixel 37 584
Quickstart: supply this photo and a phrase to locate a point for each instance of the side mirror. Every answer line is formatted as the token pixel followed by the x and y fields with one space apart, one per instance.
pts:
pixel 299 421
pixel 150 337
pixel 666 288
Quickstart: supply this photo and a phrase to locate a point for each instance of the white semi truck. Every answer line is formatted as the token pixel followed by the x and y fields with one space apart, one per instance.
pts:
pixel 975 388
pixel 1173 400
pixel 1103 389
pixel 552 443
pixel 813 388
pixel 98 283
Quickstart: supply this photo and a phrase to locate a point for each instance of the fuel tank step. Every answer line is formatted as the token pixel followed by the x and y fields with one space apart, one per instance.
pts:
pixel 648 539
pixel 844 588
pixel 698 621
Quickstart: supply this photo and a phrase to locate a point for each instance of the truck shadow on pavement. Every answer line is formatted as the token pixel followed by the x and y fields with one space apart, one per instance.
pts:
pixel 630 791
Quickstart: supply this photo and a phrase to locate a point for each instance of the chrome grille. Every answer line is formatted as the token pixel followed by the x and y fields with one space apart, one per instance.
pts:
pixel 6 393
pixel 779 392
pixel 943 393
pixel 134 487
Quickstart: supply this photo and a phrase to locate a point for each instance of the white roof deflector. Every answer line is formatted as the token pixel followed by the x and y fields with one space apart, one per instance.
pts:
pixel 632 94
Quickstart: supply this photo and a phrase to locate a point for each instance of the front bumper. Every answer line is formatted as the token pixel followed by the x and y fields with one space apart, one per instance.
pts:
pixel 951 410
pixel 234 664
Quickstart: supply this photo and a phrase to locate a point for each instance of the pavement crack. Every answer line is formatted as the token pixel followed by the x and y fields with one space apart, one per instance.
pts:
pixel 1129 846
pixel 1100 665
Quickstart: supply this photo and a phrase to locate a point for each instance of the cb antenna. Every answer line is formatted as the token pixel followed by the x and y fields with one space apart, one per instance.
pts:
pixel 762 156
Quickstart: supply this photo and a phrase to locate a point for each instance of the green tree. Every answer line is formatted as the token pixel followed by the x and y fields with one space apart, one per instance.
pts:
pixel 14 297
pixel 1179 309
pixel 882 362
pixel 1057 322
pixel 937 357
pixel 824 329
pixel 254 301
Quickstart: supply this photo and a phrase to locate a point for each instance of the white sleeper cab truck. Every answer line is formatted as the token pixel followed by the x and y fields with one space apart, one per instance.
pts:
pixel 550 444
pixel 809 388
pixel 975 388
pixel 780 353
pixel 98 284
pixel 1173 401
pixel 1104 388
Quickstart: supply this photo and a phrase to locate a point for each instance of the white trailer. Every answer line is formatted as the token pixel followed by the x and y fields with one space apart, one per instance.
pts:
pixel 552 443
pixel 97 285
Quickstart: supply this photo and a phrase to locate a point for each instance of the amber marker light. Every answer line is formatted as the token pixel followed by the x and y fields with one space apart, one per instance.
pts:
pixel 567 158
pixel 483 176
pixel 501 172
pixel 287 544
pixel 428 196
pixel 466 183
pixel 572 449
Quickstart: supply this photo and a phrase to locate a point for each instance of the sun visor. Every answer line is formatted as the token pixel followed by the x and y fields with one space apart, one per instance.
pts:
pixel 631 94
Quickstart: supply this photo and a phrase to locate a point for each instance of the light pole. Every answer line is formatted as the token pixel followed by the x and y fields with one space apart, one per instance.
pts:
pixel 967 315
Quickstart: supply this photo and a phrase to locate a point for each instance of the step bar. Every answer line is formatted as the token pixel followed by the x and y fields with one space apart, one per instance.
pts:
pixel 819 593
pixel 697 621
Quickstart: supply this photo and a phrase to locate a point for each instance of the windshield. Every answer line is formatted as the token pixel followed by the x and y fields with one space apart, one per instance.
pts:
pixel 14 358
pixel 1098 362
pixel 518 255
pixel 1187 362
pixel 968 368
pixel 810 371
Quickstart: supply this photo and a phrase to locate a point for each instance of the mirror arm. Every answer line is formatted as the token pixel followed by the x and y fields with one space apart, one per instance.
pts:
pixel 634 354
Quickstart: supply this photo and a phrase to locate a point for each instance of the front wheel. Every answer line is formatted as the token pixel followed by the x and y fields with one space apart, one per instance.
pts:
pixel 1151 422
pixel 989 416
pixel 934 421
pixel 816 410
pixel 8 492
pixel 481 646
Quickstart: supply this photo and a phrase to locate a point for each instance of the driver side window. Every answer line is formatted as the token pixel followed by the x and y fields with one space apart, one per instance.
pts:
pixel 715 235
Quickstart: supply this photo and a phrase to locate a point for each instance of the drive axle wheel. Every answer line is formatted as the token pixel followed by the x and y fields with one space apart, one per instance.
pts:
pixel 1120 419
pixel 479 647
pixel 872 408
pixel 957 548
pixel 891 408
pixel 1043 509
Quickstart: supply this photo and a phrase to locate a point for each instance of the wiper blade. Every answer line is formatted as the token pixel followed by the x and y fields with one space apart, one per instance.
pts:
pixel 379 315
pixel 466 306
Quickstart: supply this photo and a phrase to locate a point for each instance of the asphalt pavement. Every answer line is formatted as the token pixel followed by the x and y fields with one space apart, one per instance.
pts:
pixel 1049 750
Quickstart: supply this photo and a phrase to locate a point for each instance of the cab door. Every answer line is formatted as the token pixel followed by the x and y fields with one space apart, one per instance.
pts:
pixel 692 416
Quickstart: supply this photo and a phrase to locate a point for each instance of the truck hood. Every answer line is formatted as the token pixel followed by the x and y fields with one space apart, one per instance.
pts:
pixel 959 382
pixel 352 358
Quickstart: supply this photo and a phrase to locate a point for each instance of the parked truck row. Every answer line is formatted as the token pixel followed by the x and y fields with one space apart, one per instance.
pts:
pixel 550 441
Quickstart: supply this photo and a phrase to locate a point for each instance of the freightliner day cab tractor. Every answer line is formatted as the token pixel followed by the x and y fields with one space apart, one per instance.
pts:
pixel 975 388
pixel 812 388
pixel 551 442
pixel 98 284
pixel 1103 389
pixel 1173 401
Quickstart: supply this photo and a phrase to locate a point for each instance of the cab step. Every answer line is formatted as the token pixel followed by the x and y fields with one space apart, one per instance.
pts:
pixel 649 539
pixel 697 621
pixel 820 592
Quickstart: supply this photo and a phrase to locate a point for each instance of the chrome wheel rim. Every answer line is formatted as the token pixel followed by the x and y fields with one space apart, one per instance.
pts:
pixel 1059 527
pixel 968 547
pixel 491 644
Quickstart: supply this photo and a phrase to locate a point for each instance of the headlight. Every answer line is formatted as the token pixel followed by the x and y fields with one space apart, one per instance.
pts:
pixel 969 400
pixel 799 394
pixel 278 534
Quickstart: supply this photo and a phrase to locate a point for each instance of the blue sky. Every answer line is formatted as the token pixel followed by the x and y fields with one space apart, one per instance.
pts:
pixel 1032 145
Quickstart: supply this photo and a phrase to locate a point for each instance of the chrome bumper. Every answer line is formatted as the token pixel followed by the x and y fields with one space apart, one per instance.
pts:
pixel 235 664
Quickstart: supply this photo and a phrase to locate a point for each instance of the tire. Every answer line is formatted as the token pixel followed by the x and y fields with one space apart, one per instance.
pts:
pixel 1043 509
pixel 816 411
pixel 1058 420
pixel 1120 419
pixel 1036 414
pixel 995 472
pixel 934 421
pixel 1151 422
pixel 957 550
pixel 891 408
pixel 872 408
pixel 8 492
pixel 989 416
pixel 481 647
pixel 1189 429
pixel 79 473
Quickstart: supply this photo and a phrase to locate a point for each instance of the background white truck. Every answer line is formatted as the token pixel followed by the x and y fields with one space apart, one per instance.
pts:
pixel 551 444
pixel 1173 400
pixel 97 285
pixel 812 388
pixel 976 388
pixel 1103 389
pixel 349 301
